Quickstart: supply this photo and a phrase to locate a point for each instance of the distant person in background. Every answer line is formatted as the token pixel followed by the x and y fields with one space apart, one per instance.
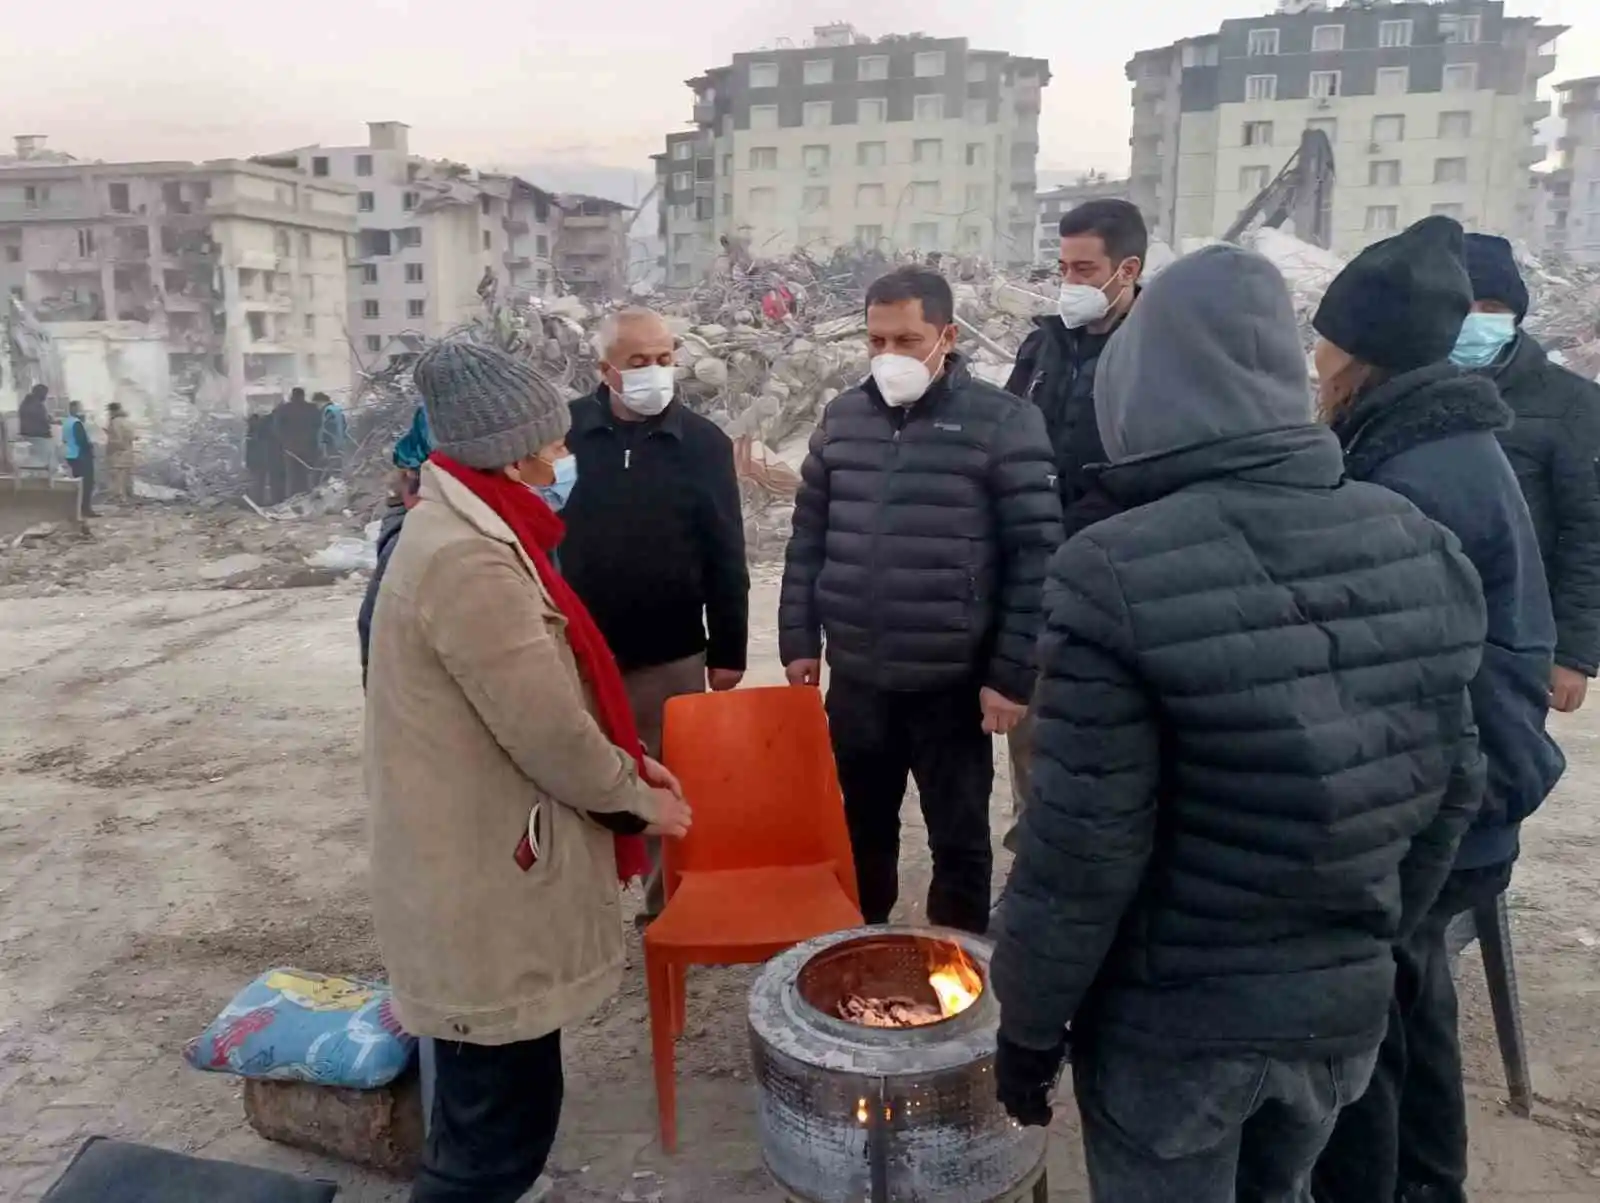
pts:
pixel 78 449
pixel 258 441
pixel 1552 445
pixel 36 428
pixel 119 453
pixel 299 428
pixel 410 453
pixel 333 435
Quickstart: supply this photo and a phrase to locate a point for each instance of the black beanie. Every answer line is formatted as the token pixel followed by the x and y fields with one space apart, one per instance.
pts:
pixel 1400 304
pixel 1493 267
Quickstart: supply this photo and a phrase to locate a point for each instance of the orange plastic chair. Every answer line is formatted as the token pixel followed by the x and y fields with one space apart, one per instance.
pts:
pixel 767 863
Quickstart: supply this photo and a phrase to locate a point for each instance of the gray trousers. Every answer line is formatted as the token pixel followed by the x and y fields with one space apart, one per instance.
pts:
pixel 1207 1129
pixel 648 691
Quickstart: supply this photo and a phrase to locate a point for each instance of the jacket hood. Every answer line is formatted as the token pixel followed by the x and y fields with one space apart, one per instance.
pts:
pixel 1210 352
pixel 1424 406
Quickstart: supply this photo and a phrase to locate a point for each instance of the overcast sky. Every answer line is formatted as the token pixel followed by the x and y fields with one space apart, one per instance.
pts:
pixel 512 82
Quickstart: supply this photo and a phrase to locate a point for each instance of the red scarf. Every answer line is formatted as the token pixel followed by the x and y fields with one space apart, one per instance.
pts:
pixel 539 531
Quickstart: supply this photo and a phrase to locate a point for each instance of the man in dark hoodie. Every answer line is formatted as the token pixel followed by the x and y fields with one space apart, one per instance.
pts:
pixel 1552 445
pixel 1254 759
pixel 1412 421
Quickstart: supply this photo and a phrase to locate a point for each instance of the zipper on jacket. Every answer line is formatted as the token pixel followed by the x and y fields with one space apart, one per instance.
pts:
pixel 627 458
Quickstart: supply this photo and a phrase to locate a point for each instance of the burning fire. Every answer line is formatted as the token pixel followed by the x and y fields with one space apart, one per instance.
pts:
pixel 955 981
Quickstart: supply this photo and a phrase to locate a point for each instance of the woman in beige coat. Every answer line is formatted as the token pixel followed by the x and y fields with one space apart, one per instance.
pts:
pixel 507 783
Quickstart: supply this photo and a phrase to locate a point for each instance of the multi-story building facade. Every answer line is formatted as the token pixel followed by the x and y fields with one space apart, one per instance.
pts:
pixel 1058 201
pixel 1431 108
pixel 224 278
pixel 903 142
pixel 1570 212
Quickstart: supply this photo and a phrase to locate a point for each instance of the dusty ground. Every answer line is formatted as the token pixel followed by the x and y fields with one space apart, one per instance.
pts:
pixel 180 806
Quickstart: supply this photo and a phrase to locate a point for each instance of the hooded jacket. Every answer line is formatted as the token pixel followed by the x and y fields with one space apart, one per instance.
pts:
pixel 1254 753
pixel 1553 446
pixel 921 537
pixel 1430 436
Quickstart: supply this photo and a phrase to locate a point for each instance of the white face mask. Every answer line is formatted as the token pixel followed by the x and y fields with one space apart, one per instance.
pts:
pixel 901 379
pixel 1083 304
pixel 648 390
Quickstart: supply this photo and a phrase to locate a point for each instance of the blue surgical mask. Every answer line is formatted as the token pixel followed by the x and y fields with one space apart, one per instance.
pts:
pixel 1483 336
pixel 555 495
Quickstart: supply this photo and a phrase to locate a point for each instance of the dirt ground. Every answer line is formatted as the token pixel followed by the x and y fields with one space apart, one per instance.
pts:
pixel 181 807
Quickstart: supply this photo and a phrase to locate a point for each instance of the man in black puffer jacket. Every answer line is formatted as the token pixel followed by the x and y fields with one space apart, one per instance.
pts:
pixel 924 522
pixel 1552 445
pixel 1253 761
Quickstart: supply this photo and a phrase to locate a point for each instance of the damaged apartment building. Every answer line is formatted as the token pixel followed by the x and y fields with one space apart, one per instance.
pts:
pixel 222 282
pixel 435 237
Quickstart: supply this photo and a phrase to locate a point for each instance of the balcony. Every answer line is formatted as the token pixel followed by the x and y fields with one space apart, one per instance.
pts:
pixel 13 212
pixel 1536 110
pixel 1532 155
pixel 1544 65
pixel 576 221
pixel 277 302
pixel 705 113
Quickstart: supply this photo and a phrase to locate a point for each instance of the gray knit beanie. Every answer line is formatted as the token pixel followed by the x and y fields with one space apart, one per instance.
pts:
pixel 487 409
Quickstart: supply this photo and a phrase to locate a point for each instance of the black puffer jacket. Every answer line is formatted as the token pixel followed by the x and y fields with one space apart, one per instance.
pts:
pixel 1055 370
pixel 1254 752
pixel 1430 436
pixel 1553 446
pixel 921 537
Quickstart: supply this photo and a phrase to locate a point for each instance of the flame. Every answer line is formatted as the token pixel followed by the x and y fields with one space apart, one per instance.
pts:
pixel 956 982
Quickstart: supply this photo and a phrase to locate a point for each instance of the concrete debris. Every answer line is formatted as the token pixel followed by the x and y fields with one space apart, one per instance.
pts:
pixel 232 566
pixel 35 534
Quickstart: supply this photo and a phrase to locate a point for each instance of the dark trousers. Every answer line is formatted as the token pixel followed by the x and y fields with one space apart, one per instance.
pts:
pixel 1207 1129
pixel 82 469
pixel 495 1113
pixel 935 737
pixel 1407 1137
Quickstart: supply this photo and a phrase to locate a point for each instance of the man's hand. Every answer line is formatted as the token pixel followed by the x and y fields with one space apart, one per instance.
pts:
pixel 1024 1080
pixel 1000 714
pixel 674 818
pixel 1568 689
pixel 723 679
pixel 659 775
pixel 804 672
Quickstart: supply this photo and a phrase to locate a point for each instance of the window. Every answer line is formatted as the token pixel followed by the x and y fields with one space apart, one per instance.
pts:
pixel 1261 87
pixel 1455 125
pixel 929 62
pixel 817 71
pixel 363 165
pixel 369 273
pixel 1262 42
pixel 727 204
pixel 817 113
pixel 1253 179
pixel 416 308
pixel 763 116
pixel 869 235
pixel 370 309
pixel 1393 81
pixel 763 200
pixel 927 150
pixel 1384 173
pixel 85 244
pixel 311 365
pixel 683 150
pixel 1391 128
pixel 1450 171
pixel 813 235
pixel 977 71
pixel 305 245
pixel 13 253
pixel 813 199
pixel 977 112
pixel 408 201
pixel 541 246
pixel 977 196
pixel 763 158
pixel 1258 133
pixel 310 325
pixel 119 198
pixel 925 235
pixel 488 240
pixel 1327 38
pixel 366 202
pixel 682 181
pixel 869 196
pixel 871 154
pixel 1328 125
pixel 925 194
pixel 409 238
pixel 1452 210
pixel 929 107
pixel 33 196
pixel 872 66
pixel 1461 77
pixel 1394 33
pixel 977 154
pixel 374 343
pixel 763 75
pixel 319 166
pixel 872 112
pixel 1382 219
pixel 814 158
pixel 1325 84
pixel 1458 29
pixel 413 273
pixel 682 244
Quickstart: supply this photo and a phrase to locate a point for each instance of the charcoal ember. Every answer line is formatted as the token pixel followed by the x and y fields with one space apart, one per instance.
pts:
pixel 887 1012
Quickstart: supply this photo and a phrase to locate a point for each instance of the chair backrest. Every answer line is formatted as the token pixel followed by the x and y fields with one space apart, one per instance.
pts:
pixel 757 767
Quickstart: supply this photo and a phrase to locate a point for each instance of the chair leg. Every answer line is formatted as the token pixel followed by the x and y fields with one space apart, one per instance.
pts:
pixel 658 978
pixel 680 998
pixel 1499 967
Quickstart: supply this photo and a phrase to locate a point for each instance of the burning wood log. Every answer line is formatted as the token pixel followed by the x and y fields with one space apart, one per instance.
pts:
pixel 888 1012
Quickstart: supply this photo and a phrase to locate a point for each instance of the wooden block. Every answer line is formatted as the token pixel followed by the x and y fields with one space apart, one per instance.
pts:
pixel 379 1129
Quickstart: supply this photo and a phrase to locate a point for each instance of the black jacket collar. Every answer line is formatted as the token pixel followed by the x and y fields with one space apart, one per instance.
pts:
pixel 1414 408
pixel 593 413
